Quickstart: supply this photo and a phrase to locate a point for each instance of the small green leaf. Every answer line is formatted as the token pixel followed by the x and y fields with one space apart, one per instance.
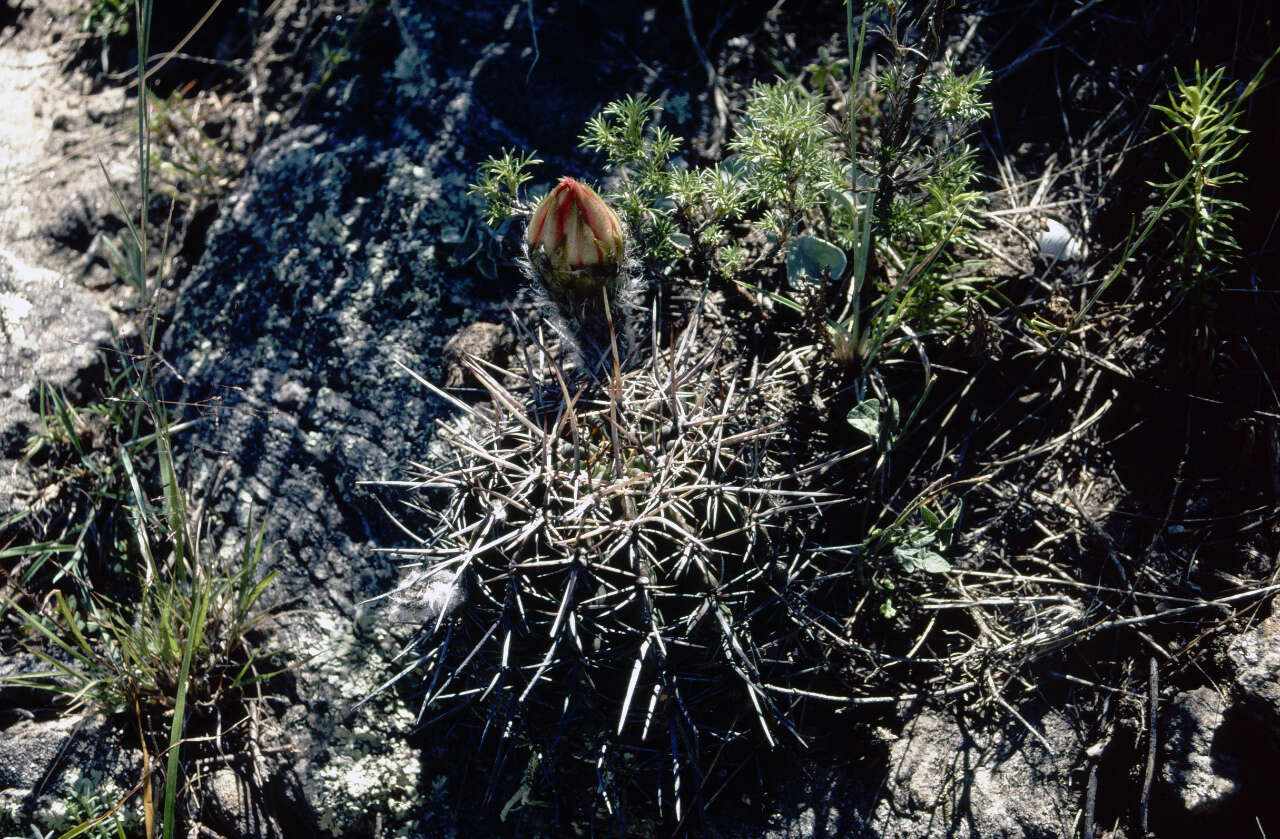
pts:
pixel 953 517
pixel 736 165
pixel 947 530
pixel 930 520
pixel 922 538
pixel 810 259
pixel 920 557
pixel 865 417
pixel 844 198
pixel 935 563
pixel 881 427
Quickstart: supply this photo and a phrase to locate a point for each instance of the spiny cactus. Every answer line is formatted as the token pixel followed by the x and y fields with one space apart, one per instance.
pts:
pixel 625 588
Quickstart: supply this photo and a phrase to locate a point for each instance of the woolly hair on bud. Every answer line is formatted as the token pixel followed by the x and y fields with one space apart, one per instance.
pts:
pixel 585 328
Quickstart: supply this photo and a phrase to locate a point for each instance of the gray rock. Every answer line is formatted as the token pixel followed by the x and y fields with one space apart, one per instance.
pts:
pixel 942 776
pixel 1254 662
pixel 321 275
pixel 45 764
pixel 233 806
pixel 51 331
pixel 947 780
pixel 54 327
pixel 30 749
pixel 1197 771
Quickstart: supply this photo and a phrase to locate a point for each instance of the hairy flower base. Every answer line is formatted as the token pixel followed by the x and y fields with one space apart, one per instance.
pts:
pixel 575 289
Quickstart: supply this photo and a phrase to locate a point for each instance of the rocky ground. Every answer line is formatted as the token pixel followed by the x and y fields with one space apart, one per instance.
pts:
pixel 326 237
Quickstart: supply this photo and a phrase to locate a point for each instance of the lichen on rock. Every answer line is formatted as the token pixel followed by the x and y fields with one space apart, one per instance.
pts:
pixel 367 771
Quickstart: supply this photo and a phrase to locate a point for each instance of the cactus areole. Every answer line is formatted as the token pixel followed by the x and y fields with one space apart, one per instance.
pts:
pixel 576 243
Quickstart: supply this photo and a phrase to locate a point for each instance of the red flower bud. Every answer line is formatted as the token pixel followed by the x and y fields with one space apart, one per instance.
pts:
pixel 575 243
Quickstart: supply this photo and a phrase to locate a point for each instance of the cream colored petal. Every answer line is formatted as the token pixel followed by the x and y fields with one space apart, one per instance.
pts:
pixel 534 233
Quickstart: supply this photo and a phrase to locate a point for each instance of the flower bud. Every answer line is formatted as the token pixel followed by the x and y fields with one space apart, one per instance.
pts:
pixel 576 244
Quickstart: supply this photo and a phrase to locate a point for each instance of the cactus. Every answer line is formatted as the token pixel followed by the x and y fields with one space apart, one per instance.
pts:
pixel 621 562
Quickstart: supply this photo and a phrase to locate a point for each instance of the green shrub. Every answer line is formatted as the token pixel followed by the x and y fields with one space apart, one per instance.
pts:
pixel 107 19
pixel 1202 121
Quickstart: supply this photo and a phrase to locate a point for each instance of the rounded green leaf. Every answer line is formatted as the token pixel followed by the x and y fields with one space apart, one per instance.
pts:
pixel 810 259
pixel 865 417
